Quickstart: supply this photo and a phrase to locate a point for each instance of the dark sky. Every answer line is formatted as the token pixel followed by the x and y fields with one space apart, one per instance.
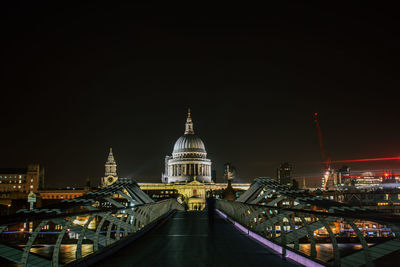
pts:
pixel 76 80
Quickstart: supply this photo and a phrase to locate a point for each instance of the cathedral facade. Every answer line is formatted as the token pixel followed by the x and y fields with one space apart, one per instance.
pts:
pixel 189 159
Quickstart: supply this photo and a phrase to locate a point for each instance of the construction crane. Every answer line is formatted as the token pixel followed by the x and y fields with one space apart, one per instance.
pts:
pixel 325 159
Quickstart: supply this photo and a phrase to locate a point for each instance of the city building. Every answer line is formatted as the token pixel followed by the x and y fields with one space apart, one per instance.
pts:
pixel 62 193
pixel 22 179
pixel 189 158
pixel 193 194
pixel 343 175
pixel 284 174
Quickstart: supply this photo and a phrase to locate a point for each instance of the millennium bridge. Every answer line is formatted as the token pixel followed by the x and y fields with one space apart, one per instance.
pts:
pixel 120 225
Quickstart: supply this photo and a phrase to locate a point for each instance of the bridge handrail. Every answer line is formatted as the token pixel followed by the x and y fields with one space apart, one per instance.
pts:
pixel 362 214
pixel 265 219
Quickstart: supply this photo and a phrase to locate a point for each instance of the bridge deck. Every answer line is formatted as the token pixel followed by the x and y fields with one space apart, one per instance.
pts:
pixel 187 239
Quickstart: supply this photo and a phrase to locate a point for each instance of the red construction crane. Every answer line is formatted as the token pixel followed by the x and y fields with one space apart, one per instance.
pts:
pixel 325 159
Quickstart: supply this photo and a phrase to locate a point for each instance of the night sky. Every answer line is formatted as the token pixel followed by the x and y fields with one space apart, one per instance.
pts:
pixel 76 80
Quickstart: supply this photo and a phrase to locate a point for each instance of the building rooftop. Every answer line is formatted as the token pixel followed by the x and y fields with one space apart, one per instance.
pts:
pixel 13 170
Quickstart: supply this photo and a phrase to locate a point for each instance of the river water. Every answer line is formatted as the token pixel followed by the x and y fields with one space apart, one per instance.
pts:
pixel 325 251
pixel 67 252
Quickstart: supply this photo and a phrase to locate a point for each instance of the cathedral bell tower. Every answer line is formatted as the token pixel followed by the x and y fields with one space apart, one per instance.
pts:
pixel 110 175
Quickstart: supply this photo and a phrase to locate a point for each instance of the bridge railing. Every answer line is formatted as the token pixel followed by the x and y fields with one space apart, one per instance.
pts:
pixel 95 219
pixel 286 229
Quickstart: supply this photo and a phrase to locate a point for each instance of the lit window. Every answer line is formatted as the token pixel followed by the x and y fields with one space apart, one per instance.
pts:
pixel 31 186
pixel 20 176
pixel 14 186
pixel 20 181
pixel 31 180
pixel 19 186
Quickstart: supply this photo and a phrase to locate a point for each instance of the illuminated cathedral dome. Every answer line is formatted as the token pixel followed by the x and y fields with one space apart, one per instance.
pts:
pixel 189 158
pixel 189 143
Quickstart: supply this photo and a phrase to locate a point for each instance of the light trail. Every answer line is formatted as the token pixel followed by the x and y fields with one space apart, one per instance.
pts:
pixel 365 160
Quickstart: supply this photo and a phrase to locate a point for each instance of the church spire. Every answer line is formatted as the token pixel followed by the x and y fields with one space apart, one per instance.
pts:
pixel 111 165
pixel 189 124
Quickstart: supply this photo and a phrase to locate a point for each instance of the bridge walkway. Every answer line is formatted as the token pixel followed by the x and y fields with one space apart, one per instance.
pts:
pixel 188 239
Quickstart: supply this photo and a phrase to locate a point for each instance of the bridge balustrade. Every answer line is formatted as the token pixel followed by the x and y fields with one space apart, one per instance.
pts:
pixel 113 221
pixel 284 229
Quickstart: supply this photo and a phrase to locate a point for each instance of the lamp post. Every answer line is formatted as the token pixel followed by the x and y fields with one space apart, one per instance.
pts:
pixel 31 200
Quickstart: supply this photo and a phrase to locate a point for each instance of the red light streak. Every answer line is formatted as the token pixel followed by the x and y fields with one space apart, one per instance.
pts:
pixel 365 160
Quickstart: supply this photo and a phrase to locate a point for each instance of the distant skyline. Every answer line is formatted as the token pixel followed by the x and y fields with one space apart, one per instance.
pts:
pixel 79 80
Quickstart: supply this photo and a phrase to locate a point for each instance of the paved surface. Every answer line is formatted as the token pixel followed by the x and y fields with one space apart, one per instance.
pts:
pixel 188 239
